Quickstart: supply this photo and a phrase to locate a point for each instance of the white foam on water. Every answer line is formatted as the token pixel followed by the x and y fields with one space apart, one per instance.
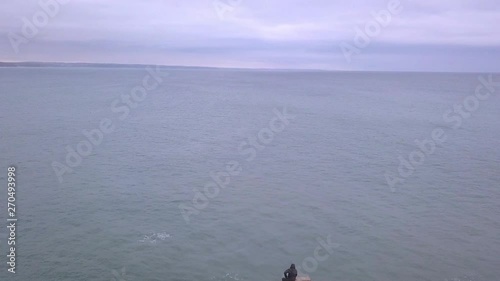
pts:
pixel 227 277
pixel 153 237
pixel 463 278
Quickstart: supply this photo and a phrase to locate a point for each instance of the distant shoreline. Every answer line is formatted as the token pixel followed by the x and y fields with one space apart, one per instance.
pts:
pixel 119 65
pixel 86 64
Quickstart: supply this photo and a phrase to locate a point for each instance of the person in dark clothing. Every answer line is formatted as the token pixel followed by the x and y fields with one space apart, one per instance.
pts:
pixel 290 274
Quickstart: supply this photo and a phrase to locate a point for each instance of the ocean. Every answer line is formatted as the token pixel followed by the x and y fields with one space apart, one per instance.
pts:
pixel 218 174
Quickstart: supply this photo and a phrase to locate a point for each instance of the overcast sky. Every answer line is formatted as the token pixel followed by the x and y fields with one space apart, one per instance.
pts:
pixel 427 35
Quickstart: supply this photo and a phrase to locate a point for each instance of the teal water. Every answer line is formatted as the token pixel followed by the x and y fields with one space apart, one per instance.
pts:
pixel 322 175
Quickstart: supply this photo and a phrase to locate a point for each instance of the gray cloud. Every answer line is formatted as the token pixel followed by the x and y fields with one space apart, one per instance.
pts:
pixel 446 35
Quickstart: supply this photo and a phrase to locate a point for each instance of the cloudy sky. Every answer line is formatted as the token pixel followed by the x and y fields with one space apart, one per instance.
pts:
pixel 425 35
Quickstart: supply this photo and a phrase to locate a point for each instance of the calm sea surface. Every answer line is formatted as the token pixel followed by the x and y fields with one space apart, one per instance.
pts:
pixel 320 176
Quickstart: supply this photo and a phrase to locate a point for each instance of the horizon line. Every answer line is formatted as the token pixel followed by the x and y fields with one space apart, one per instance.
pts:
pixel 123 65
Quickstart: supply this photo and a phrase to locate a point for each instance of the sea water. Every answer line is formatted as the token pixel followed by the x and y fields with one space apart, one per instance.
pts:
pixel 194 174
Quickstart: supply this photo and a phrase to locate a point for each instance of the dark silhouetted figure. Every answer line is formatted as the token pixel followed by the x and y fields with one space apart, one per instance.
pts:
pixel 290 274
